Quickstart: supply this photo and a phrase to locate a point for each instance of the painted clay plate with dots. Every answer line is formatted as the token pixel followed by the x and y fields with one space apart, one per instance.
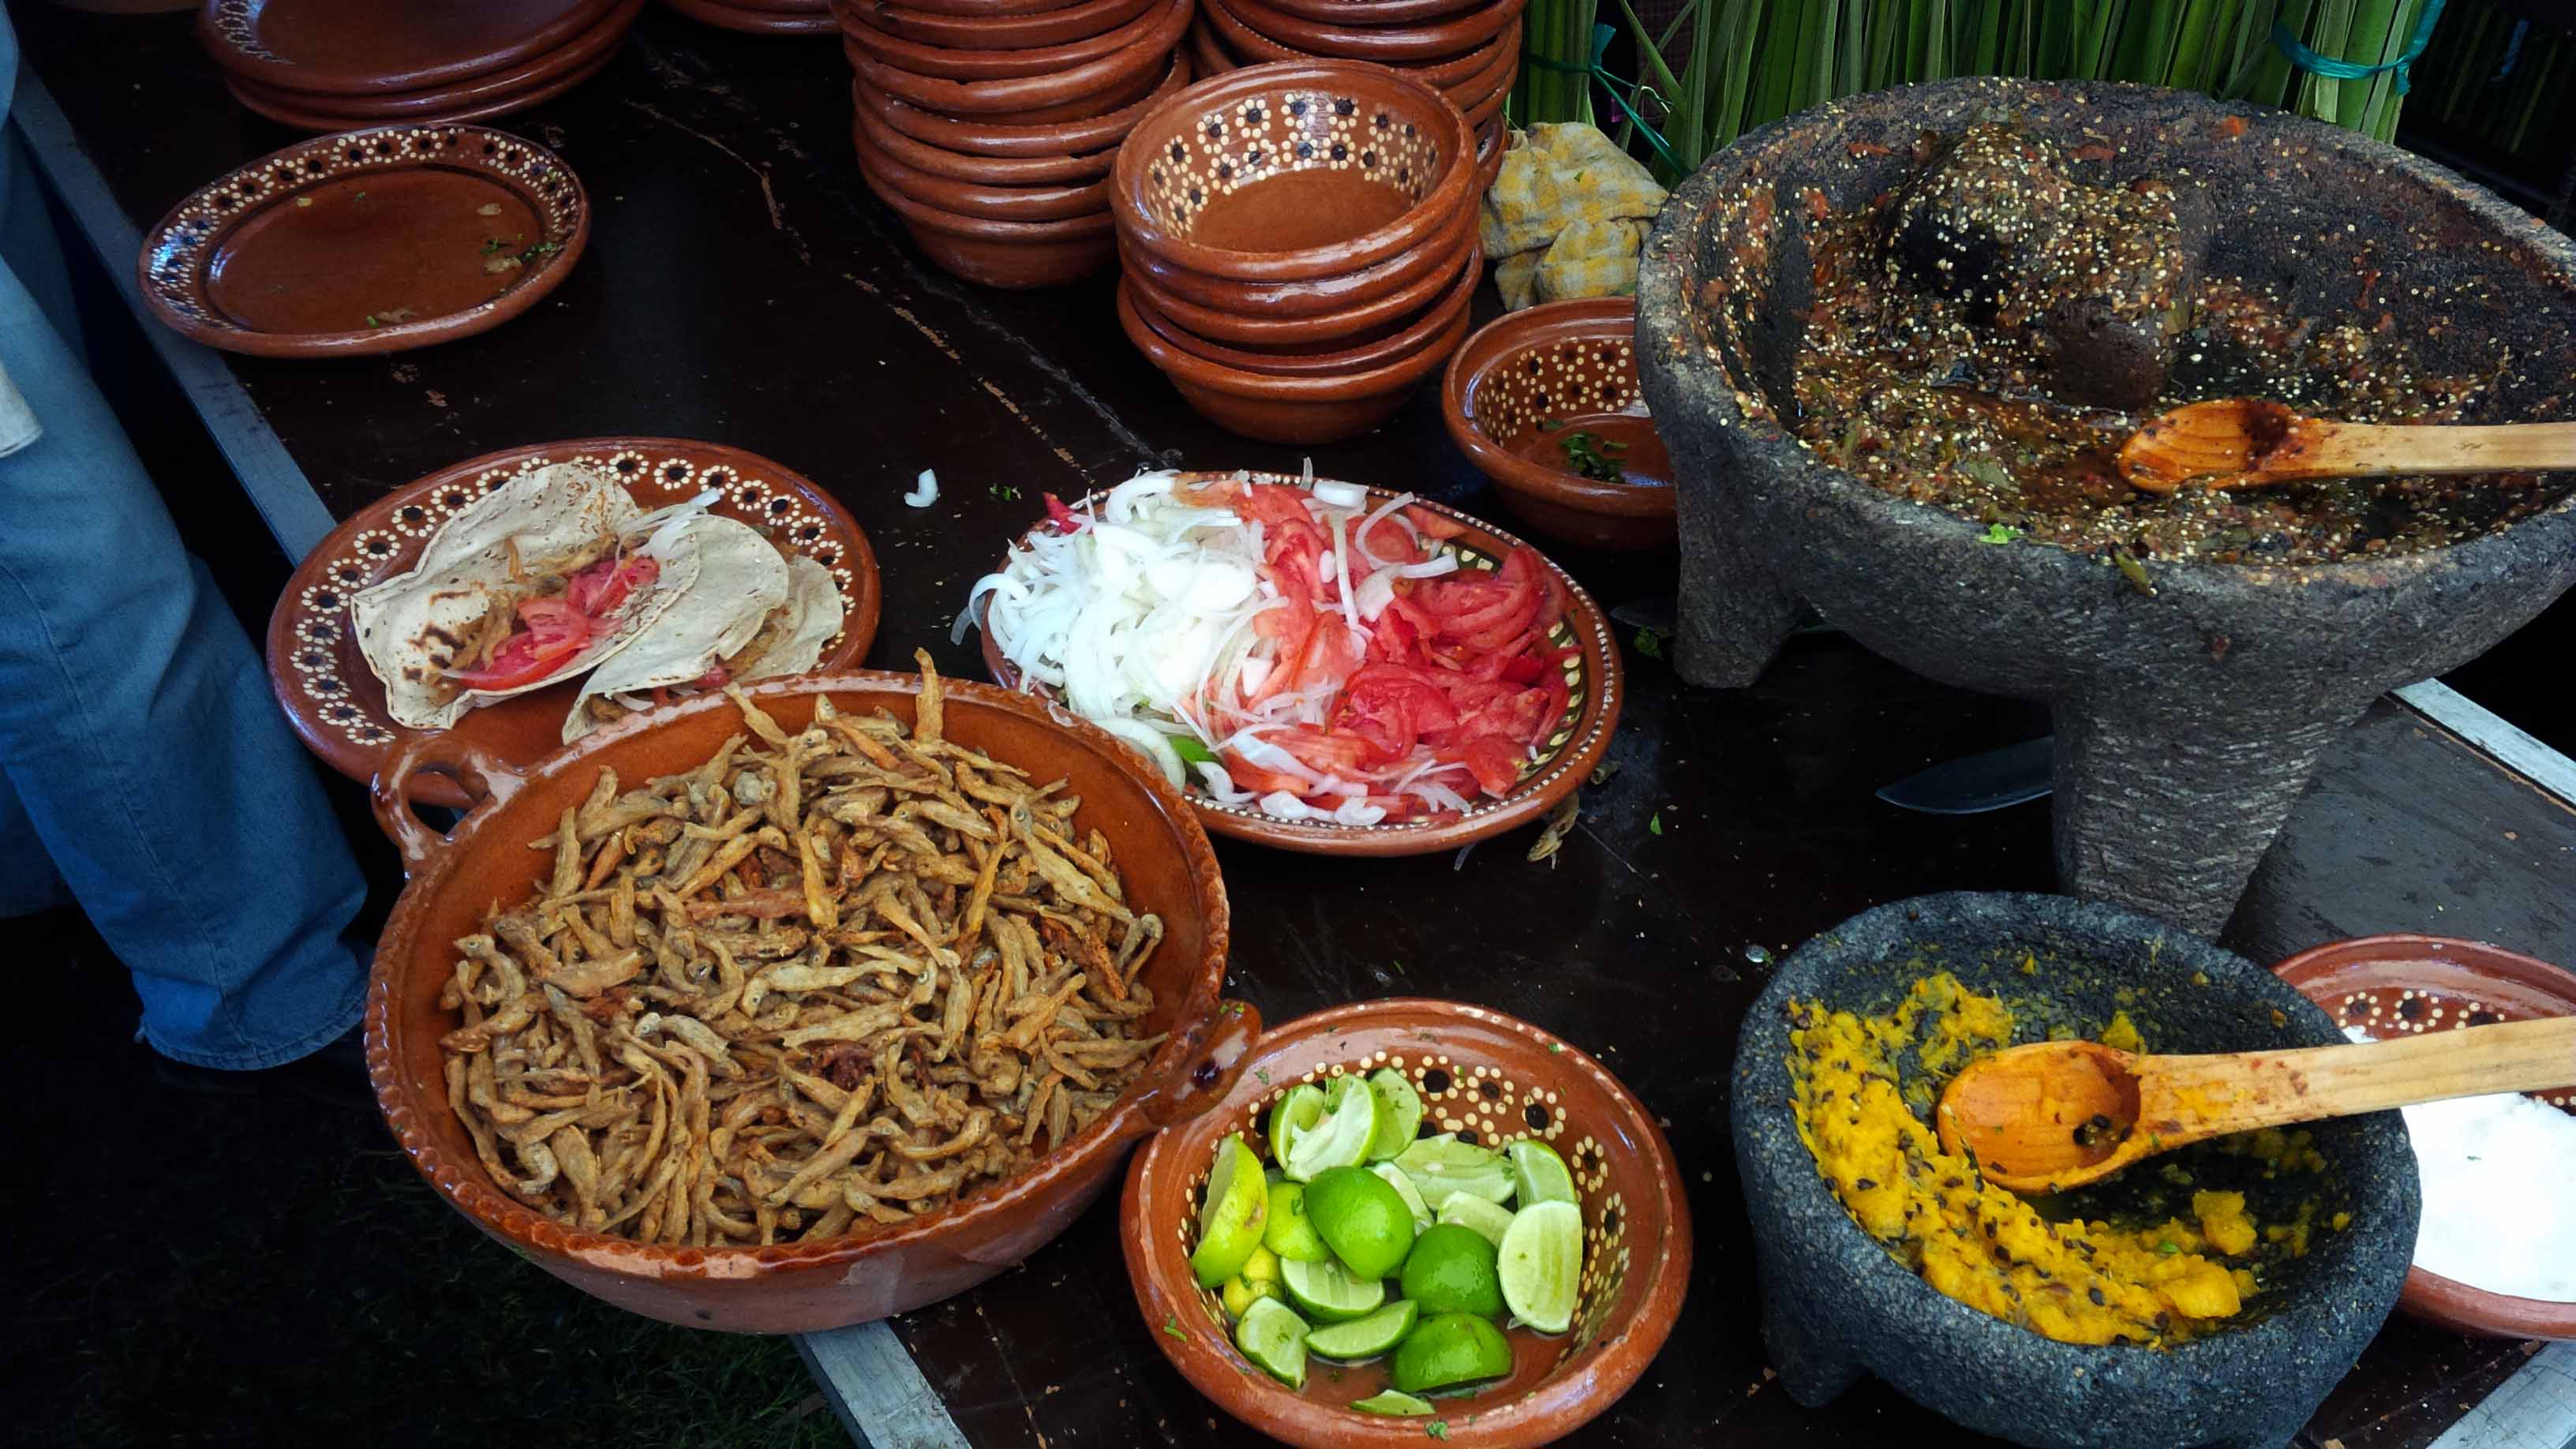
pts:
pixel 1491 1079
pixel 337 705
pixel 1572 748
pixel 370 241
pixel 2403 985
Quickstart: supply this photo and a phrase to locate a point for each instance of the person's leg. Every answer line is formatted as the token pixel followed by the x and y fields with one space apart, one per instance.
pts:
pixel 137 729
pixel 28 881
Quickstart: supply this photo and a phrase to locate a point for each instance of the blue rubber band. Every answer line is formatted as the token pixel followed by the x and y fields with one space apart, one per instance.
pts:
pixel 2334 68
pixel 1616 87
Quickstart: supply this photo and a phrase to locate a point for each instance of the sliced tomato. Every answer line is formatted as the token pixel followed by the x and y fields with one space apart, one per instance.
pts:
pixel 1252 777
pixel 1436 525
pixel 523 658
pixel 604 587
pixel 1495 762
pixel 1061 518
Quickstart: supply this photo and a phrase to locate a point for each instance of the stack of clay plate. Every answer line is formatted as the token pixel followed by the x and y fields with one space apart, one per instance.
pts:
pixel 761 17
pixel 989 126
pixel 336 65
pixel 1298 244
pixel 1470 49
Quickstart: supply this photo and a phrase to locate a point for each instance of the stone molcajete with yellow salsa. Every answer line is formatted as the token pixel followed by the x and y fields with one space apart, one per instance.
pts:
pixel 2211 1296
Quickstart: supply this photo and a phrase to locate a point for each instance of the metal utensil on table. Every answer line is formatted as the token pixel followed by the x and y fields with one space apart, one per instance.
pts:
pixel 1975 784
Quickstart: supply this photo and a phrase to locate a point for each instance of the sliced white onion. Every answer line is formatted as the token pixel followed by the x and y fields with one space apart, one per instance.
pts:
pixel 1374 594
pixel 1358 812
pixel 925 490
pixel 1333 493
pixel 1150 742
pixel 1221 786
pixel 1285 806
pixel 1430 568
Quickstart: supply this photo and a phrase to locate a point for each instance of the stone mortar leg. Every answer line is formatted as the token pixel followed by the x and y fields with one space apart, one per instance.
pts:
pixel 1734 613
pixel 2159 814
pixel 1812 1376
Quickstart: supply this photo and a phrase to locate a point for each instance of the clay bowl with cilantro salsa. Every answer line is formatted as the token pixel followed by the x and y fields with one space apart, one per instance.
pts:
pixel 2200 651
pixel 1545 401
pixel 2078 1332
pixel 1478 1078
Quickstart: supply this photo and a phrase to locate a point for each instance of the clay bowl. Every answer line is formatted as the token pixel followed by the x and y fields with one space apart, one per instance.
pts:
pixel 1836 1305
pixel 996 253
pixel 1089 88
pixel 1260 331
pixel 1001 32
pixel 1315 297
pixel 1000 138
pixel 1525 382
pixel 1302 409
pixel 970 198
pixel 894 145
pixel 1434 323
pixel 331 48
pixel 1636 1220
pixel 2413 984
pixel 1162 854
pixel 980 64
pixel 1255 149
pixel 1390 44
pixel 1207 52
pixel 1571 751
pixel 985 9
pixel 510 82
pixel 756 19
pixel 1374 12
pixel 1250 47
pixel 482 107
pixel 2187 722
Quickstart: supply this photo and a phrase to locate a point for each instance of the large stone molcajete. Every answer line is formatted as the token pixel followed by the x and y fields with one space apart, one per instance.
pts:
pixel 2187 720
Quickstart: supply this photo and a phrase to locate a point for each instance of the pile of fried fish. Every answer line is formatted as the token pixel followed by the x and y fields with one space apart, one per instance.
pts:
pixel 822 982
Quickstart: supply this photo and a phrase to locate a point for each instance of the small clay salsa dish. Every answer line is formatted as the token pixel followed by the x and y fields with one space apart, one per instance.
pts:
pixel 1293 171
pixel 2407 985
pixel 368 241
pixel 1488 1078
pixel 1837 1304
pixel 1538 395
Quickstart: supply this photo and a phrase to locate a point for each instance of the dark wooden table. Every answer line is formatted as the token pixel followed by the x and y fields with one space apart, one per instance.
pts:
pixel 742 286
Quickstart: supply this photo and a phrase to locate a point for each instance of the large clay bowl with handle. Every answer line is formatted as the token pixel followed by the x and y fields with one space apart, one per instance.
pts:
pixel 1434 322
pixel 1298 143
pixel 1102 83
pixel 985 63
pixel 2407 985
pixel 1036 28
pixel 1334 296
pixel 999 136
pixel 1479 1072
pixel 1529 380
pixel 1163 857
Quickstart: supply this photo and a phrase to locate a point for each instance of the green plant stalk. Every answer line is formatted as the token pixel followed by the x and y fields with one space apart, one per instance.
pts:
pixel 2365 43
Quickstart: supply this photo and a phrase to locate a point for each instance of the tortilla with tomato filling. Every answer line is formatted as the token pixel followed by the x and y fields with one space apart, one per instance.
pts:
pixel 734 633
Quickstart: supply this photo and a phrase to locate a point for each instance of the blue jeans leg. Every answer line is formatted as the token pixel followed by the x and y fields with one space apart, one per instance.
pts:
pixel 140 739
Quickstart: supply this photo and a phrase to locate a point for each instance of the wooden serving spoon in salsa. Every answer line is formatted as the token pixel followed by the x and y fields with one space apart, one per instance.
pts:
pixel 2242 443
pixel 2057 1114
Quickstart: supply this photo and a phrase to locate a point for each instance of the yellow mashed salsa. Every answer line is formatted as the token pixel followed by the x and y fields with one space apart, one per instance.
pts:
pixel 2075 1281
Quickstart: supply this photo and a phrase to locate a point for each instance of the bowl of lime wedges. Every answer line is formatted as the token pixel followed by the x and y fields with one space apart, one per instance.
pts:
pixel 1411 1217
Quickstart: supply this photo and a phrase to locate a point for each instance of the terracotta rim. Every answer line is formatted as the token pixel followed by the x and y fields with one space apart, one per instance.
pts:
pixel 2325 974
pixel 1164 1287
pixel 1399 375
pixel 1313 297
pixel 1255 330
pixel 308 627
pixel 1250 47
pixel 1504 341
pixel 1374 12
pixel 1102 132
pixel 464 111
pixel 230 32
pixel 1440 200
pixel 982 170
pixel 1027 93
pixel 463 1183
pixel 972 198
pixel 982 228
pixel 437 102
pixel 1592 718
pixel 1442 316
pixel 982 9
pixel 1051 26
pixel 993 63
pixel 754 20
pixel 1392 43
pixel 178 249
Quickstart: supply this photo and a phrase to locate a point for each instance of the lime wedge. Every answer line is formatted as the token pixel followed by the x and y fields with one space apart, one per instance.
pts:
pixel 1275 1338
pixel 1451 1270
pixel 1446 1349
pixel 1302 1108
pixel 1342 1138
pixel 1240 1293
pixel 1399 1113
pixel 1390 1402
pixel 1289 1234
pixel 1405 1189
pixel 1329 1292
pixel 1542 1265
pixel 1361 1218
pixel 1486 1219
pixel 1443 1166
pixel 1538 1174
pixel 1230 1216
pixel 1366 1336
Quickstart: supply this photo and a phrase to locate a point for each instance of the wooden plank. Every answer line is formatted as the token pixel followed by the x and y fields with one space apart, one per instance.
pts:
pixel 2511 746
pixel 877 1390
pixel 2536 1409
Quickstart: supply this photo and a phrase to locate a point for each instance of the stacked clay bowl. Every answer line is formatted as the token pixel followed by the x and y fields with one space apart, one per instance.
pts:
pixel 1470 49
pixel 990 126
pixel 761 17
pixel 338 65
pixel 1298 244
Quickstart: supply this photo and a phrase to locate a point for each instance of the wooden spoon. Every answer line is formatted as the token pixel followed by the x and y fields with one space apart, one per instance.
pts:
pixel 2242 443
pixel 2056 1114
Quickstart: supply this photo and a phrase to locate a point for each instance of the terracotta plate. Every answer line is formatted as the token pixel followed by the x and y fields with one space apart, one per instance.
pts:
pixel 338 47
pixel 512 87
pixel 1484 1076
pixel 336 703
pixel 2413 984
pixel 369 241
pixel 1571 750
pixel 439 108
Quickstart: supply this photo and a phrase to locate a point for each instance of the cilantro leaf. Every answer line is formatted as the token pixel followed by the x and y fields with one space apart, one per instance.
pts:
pixel 1172 1326
pixel 1655 823
pixel 1648 643
pixel 1999 533
pixel 1193 750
